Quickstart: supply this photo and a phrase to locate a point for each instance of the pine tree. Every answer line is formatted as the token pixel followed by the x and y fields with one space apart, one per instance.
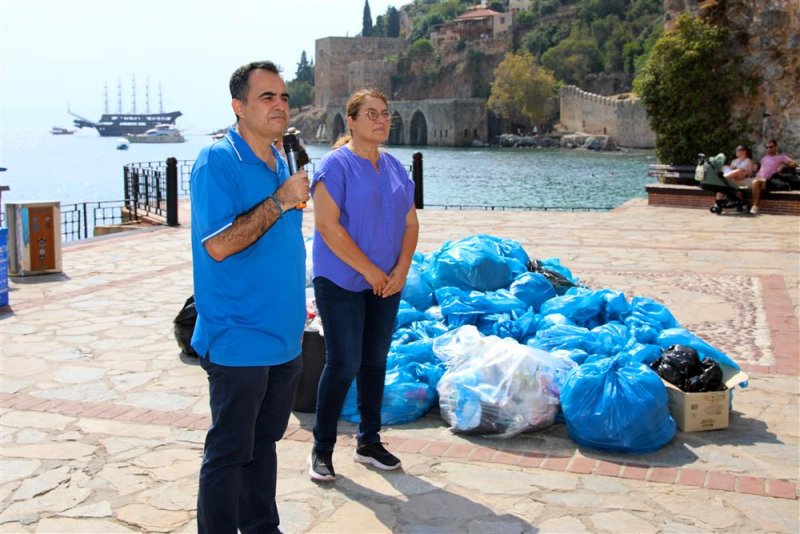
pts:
pixel 393 24
pixel 366 29
pixel 305 70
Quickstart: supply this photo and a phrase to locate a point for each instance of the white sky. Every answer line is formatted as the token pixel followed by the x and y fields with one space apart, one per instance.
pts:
pixel 59 52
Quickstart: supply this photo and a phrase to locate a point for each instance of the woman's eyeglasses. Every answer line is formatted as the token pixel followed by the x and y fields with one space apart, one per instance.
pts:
pixel 373 114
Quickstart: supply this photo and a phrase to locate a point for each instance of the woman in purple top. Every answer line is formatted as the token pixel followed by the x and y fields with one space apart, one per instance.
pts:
pixel 365 236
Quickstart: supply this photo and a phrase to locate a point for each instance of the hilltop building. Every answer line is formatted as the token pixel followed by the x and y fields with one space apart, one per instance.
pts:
pixel 477 23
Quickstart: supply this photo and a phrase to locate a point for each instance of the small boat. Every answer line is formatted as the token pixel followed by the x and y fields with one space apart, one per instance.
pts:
pixel 162 133
pixel 57 130
pixel 123 146
pixel 216 135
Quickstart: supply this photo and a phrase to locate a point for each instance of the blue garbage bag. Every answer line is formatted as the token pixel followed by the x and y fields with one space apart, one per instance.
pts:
pixel 418 290
pixel 582 306
pixel 532 289
pixel 520 326
pixel 407 314
pixel 615 305
pixel 617 405
pixel 408 394
pixel 646 311
pixel 564 336
pixel 559 276
pixel 645 354
pixel 610 338
pixel 480 262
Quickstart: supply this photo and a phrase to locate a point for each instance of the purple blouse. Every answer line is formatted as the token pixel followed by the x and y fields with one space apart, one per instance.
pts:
pixel 373 206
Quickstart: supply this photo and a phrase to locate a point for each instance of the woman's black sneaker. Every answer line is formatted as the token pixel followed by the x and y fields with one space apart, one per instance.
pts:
pixel 320 465
pixel 375 454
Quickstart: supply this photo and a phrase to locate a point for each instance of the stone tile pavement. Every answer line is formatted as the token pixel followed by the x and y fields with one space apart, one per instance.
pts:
pixel 102 425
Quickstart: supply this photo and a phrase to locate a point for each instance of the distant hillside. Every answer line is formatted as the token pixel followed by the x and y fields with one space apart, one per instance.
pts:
pixel 594 44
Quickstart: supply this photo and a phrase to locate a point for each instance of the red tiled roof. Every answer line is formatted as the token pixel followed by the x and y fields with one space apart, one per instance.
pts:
pixel 478 14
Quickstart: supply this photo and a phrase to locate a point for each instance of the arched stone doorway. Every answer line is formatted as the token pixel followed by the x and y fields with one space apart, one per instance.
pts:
pixel 338 127
pixel 396 133
pixel 418 133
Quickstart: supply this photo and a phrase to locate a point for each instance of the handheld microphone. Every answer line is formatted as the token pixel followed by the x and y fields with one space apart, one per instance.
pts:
pixel 291 147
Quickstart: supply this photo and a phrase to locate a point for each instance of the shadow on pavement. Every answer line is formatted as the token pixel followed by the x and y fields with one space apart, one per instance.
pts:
pixel 429 508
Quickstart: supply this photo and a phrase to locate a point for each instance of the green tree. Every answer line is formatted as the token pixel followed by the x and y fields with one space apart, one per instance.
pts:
pixel 573 58
pixel 366 24
pixel 522 91
pixel 420 48
pixel 687 85
pixel 393 22
pixel 300 93
pixel 379 29
pixel 544 36
pixel 305 70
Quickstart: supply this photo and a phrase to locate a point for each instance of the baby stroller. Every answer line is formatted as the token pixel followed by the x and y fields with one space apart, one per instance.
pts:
pixel 709 174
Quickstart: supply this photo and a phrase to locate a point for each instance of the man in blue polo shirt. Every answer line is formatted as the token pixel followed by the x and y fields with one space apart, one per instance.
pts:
pixel 249 283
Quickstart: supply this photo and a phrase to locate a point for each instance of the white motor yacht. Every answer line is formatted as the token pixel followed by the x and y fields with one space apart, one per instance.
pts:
pixel 162 133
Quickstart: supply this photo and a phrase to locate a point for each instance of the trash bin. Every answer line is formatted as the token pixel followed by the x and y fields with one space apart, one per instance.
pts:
pixel 34 238
pixel 305 398
pixel 3 267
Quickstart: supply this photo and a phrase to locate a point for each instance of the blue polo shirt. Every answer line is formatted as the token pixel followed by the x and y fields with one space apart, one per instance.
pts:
pixel 250 306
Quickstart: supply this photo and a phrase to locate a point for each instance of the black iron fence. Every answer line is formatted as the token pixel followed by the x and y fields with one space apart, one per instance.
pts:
pixel 153 187
pixel 78 221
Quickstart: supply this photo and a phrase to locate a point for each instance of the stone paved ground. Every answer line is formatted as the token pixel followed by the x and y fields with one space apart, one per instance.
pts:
pixel 101 424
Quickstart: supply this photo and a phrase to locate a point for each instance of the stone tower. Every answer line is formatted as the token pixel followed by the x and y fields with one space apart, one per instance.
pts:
pixel 333 58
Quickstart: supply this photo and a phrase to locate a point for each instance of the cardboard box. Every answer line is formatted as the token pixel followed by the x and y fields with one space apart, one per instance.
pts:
pixel 694 412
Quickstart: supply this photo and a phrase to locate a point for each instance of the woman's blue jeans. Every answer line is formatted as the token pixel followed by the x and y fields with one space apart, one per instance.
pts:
pixel 358 330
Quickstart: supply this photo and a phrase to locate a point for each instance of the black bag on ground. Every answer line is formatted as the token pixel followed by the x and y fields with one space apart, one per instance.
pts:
pixel 677 364
pixel 710 379
pixel 184 327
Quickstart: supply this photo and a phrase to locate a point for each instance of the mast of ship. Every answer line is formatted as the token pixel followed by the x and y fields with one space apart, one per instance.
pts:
pixel 119 96
pixel 147 95
pixel 105 99
pixel 133 94
pixel 160 100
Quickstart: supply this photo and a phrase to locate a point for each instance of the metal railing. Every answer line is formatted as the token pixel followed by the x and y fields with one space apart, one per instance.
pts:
pixel 78 221
pixel 152 188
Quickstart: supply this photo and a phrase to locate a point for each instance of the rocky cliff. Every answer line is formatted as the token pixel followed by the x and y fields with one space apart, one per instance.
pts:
pixel 767 38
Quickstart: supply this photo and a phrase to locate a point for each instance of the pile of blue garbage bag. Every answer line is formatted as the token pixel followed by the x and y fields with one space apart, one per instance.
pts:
pixel 508 344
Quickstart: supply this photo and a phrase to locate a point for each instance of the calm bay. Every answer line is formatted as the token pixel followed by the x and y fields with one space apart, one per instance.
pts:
pixel 85 167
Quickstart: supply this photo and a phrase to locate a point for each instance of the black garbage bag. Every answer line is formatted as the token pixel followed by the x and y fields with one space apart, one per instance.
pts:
pixel 560 282
pixel 677 364
pixel 184 327
pixel 709 379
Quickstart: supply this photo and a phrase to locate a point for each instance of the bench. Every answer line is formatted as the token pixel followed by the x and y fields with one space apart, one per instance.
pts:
pixel 672 174
pixel 691 196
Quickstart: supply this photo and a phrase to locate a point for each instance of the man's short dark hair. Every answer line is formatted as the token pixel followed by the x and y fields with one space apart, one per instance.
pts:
pixel 240 79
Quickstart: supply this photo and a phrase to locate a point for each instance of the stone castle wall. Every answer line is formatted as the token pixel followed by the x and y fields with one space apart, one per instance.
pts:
pixel 623 120
pixel 334 54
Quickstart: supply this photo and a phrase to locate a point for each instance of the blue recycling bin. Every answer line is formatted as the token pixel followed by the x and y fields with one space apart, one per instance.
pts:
pixel 3 267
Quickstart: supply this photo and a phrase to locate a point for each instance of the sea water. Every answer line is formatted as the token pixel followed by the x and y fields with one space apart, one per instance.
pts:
pixel 85 167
